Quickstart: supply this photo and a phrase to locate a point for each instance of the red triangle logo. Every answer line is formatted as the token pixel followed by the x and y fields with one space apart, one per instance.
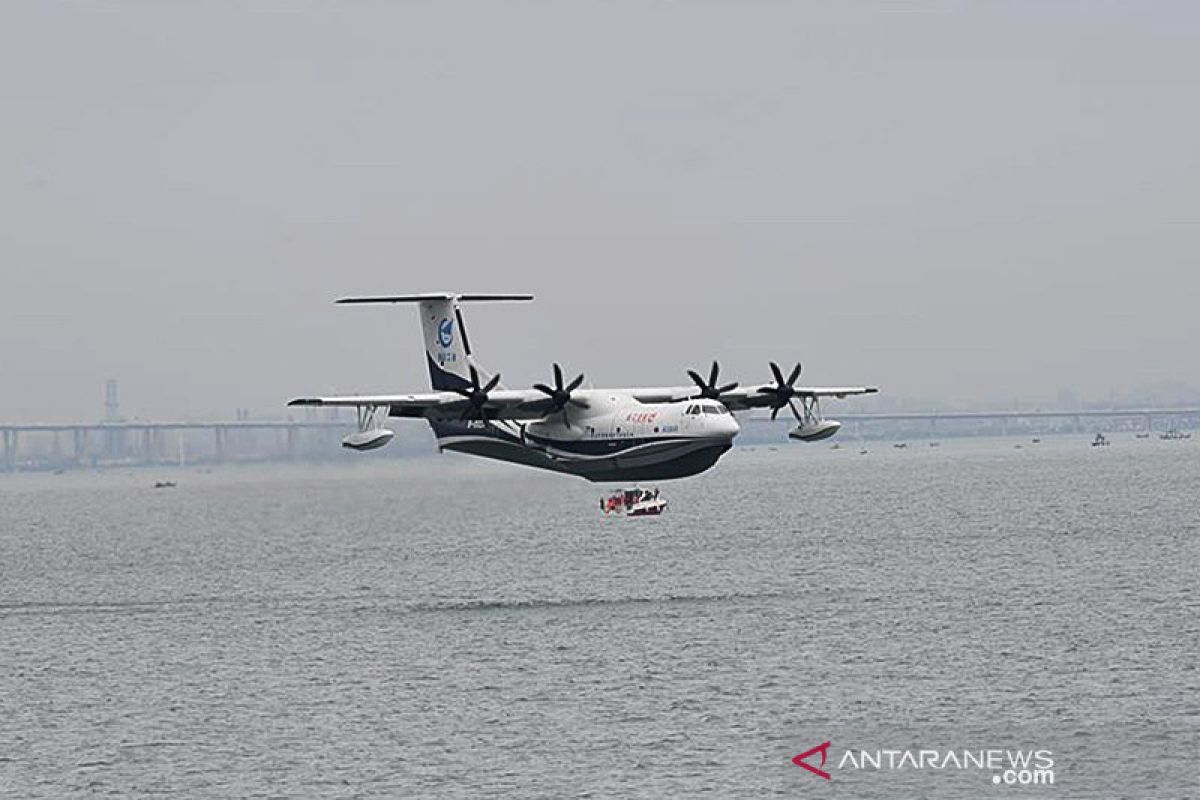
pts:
pixel 823 749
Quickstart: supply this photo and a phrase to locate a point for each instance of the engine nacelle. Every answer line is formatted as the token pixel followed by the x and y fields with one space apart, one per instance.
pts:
pixel 368 440
pixel 815 430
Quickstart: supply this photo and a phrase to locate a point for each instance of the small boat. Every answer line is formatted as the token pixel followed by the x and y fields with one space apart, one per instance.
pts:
pixel 935 444
pixel 900 445
pixel 1037 441
pixel 1141 436
pixel 1099 441
pixel 1174 434
pixel 164 484
pixel 633 503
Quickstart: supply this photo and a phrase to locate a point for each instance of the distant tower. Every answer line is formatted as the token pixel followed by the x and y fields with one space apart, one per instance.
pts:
pixel 112 409
pixel 114 439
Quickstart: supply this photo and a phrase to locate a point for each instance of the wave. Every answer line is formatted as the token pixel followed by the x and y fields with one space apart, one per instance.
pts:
pixel 362 603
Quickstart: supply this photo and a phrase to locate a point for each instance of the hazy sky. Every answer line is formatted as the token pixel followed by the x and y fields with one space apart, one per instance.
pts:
pixel 951 200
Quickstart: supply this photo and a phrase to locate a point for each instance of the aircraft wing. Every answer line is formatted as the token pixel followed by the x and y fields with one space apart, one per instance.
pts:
pixel 744 397
pixel 748 397
pixel 834 391
pixel 526 404
pixel 530 404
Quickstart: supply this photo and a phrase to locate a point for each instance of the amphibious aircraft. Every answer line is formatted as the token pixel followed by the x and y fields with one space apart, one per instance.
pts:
pixel 633 434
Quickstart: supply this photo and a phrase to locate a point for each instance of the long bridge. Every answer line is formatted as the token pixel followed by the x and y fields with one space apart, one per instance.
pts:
pixel 1182 415
pixel 148 442
pixel 145 442
pixel 1147 413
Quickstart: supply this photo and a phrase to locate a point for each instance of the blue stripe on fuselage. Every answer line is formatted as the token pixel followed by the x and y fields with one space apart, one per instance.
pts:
pixel 604 447
pixel 578 447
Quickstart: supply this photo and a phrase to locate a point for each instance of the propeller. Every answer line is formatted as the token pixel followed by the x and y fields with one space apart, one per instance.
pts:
pixel 782 392
pixel 710 390
pixel 477 395
pixel 560 396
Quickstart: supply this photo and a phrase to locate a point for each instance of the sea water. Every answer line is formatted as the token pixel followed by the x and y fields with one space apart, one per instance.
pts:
pixel 448 627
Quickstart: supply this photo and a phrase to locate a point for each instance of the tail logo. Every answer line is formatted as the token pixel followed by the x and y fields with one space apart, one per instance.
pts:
pixel 445 332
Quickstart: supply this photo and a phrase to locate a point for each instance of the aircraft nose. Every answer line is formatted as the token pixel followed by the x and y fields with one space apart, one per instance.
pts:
pixel 726 425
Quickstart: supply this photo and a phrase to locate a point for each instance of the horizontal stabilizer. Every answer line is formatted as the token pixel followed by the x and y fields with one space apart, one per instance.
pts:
pixel 422 298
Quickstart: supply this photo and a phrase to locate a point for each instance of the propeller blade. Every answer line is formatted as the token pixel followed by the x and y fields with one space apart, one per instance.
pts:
pixel 560 396
pixel 795 374
pixel 775 412
pixel 709 389
pixel 778 374
pixel 492 383
pixel 474 377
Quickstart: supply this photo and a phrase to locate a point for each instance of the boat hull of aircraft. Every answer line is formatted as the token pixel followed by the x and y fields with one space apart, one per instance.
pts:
pixel 600 462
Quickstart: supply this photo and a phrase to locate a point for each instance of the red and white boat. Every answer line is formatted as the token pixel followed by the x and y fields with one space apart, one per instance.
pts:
pixel 633 503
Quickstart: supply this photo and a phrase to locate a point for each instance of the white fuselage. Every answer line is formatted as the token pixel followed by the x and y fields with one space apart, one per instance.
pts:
pixel 616 438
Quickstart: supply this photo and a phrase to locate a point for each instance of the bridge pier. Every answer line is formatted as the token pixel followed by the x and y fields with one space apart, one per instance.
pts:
pixel 219 433
pixel 114 443
pixel 291 442
pixel 10 449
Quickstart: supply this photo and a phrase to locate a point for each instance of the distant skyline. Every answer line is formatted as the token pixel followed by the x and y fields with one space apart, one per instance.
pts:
pixel 964 203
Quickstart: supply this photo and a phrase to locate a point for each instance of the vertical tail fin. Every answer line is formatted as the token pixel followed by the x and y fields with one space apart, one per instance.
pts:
pixel 447 349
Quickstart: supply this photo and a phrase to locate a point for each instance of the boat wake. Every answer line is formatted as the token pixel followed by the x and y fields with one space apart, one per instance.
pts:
pixel 585 602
